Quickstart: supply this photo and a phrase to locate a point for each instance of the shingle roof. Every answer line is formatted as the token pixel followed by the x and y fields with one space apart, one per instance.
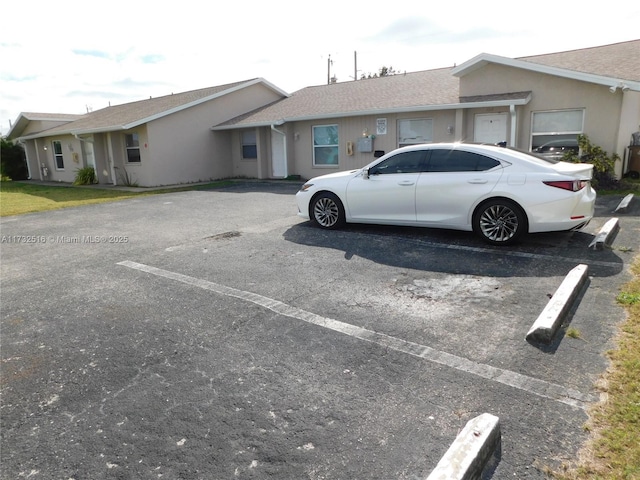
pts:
pixel 618 60
pixel 383 94
pixel 51 116
pixel 130 114
pixel 431 88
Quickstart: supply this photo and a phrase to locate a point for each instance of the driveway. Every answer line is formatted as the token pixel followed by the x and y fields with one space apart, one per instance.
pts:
pixel 214 335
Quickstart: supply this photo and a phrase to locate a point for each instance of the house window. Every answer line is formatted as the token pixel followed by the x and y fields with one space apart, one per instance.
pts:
pixel 554 133
pixel 415 130
pixel 249 146
pixel 57 155
pixel 132 142
pixel 325 145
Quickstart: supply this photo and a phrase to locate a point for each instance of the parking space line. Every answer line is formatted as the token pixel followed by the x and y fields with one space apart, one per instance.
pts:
pixel 531 385
pixel 501 252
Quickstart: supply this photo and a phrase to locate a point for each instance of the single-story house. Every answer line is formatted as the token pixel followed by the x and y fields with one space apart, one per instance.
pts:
pixel 159 141
pixel 253 129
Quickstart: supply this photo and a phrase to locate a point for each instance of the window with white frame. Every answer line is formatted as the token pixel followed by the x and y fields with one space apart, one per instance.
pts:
pixel 132 143
pixel 249 145
pixel 325 145
pixel 412 131
pixel 553 133
pixel 57 155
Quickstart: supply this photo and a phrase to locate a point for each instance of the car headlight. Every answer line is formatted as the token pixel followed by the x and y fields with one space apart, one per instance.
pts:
pixel 306 187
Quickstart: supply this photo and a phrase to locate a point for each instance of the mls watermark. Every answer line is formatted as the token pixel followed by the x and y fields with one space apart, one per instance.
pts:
pixel 64 239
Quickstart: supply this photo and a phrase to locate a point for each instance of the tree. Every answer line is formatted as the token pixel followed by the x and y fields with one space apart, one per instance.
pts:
pixel 13 164
pixel 383 72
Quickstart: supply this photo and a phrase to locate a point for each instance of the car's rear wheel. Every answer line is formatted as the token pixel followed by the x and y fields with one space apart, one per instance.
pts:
pixel 499 221
pixel 327 210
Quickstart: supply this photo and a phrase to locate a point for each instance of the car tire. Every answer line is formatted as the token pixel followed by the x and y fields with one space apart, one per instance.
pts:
pixel 500 221
pixel 327 211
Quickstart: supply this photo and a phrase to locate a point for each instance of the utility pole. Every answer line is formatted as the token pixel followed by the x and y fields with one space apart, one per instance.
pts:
pixel 355 65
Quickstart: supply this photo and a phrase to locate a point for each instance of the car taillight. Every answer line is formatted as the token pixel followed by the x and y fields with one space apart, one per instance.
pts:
pixel 571 185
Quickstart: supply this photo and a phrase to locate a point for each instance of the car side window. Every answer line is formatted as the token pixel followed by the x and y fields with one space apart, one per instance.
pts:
pixel 405 162
pixel 459 161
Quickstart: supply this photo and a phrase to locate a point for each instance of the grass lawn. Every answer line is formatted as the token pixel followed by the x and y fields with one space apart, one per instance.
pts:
pixel 613 453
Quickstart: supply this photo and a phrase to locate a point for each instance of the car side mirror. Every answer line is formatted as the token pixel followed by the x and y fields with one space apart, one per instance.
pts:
pixel 365 174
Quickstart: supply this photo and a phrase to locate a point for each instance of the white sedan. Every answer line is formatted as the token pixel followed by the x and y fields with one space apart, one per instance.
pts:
pixel 497 192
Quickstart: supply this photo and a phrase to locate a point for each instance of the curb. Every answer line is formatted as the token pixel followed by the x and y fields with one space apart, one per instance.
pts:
pixel 548 322
pixel 471 451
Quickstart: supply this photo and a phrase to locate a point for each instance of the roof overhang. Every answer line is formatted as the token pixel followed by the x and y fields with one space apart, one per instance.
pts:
pixel 485 101
pixel 484 59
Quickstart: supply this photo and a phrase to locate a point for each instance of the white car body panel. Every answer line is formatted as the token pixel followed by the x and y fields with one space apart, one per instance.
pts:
pixel 449 199
pixel 382 198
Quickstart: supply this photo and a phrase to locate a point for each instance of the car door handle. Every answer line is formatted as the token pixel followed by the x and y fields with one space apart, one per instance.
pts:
pixel 406 183
pixel 477 181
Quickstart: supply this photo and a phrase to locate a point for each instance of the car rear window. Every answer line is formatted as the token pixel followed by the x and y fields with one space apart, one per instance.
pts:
pixel 442 160
pixel 534 157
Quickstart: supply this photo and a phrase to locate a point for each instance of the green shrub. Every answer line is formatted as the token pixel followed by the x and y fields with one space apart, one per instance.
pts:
pixel 85 176
pixel 603 164
pixel 13 163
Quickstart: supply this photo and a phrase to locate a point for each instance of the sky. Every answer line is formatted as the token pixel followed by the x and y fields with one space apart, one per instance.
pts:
pixel 67 56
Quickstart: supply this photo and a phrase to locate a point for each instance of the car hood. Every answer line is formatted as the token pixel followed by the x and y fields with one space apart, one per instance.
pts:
pixel 578 170
pixel 333 176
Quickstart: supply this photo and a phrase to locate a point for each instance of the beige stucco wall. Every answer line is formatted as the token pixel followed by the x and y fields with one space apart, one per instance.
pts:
pixel 241 167
pixel 181 148
pixel 40 151
pixel 350 130
pixel 602 108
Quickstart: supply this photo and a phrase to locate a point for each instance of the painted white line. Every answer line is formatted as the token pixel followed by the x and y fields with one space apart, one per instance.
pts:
pixel 502 252
pixel 532 385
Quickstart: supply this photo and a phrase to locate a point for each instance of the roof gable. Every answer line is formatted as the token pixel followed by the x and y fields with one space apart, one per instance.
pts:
pixel 26 119
pixel 609 65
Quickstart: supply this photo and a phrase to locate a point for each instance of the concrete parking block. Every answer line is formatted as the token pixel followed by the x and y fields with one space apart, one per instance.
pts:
pixel 606 235
pixel 471 451
pixel 548 322
pixel 624 204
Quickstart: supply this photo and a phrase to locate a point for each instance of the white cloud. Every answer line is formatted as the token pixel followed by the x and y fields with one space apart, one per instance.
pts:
pixel 68 55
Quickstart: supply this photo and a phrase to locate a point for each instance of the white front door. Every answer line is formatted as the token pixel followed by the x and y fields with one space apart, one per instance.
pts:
pixel 278 155
pixel 490 128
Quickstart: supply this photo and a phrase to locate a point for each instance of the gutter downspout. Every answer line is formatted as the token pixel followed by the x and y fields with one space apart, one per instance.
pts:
pixel 284 144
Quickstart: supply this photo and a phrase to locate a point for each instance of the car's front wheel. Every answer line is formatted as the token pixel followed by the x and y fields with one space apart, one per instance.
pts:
pixel 327 210
pixel 499 221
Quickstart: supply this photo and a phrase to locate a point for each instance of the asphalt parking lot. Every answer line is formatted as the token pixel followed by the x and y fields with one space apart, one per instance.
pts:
pixel 216 335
